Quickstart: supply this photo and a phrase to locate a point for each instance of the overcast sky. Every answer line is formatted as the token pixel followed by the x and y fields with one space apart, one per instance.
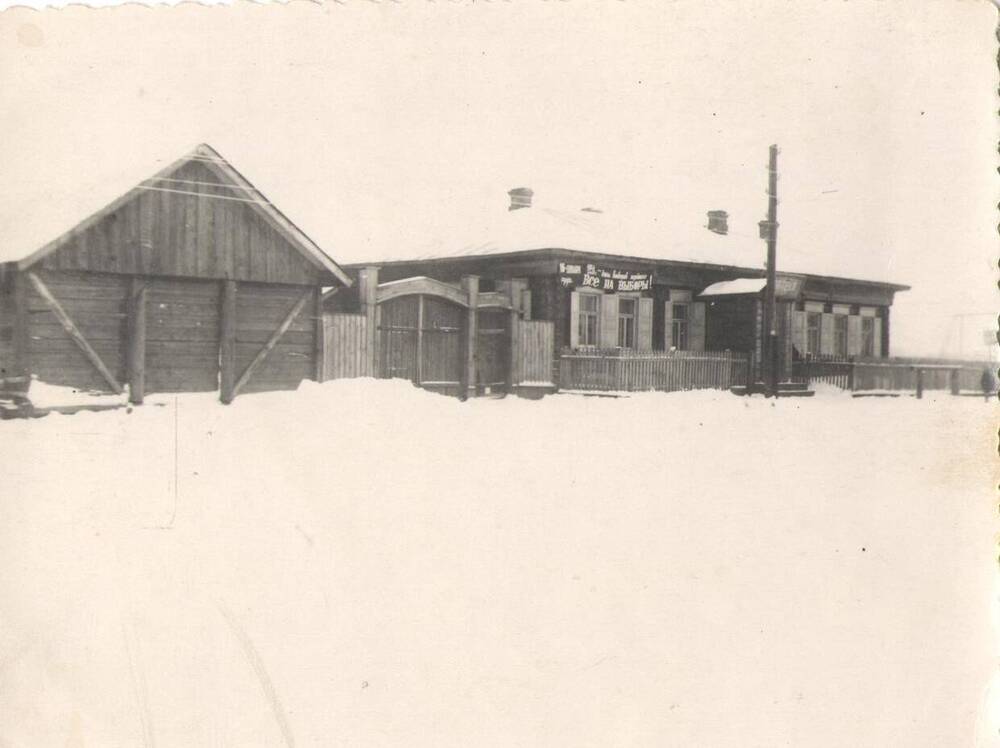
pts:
pixel 381 126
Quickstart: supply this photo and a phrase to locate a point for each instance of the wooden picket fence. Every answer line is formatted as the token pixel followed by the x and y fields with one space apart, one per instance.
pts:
pixel 618 370
pixel 345 346
pixel 892 374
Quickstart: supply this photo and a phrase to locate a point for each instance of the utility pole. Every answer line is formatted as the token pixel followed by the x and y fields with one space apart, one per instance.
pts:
pixel 769 231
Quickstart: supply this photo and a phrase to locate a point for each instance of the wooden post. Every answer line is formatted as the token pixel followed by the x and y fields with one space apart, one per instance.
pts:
pixel 320 345
pixel 470 284
pixel 137 341
pixel 22 353
pixel 850 374
pixel 920 383
pixel 227 342
pixel 420 339
pixel 516 375
pixel 770 342
pixel 368 298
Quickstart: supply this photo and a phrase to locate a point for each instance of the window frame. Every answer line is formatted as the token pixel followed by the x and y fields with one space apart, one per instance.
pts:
pixel 680 327
pixel 868 337
pixel 817 317
pixel 631 322
pixel 840 335
pixel 584 315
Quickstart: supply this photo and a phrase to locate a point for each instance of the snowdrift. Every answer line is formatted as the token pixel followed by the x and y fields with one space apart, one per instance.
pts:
pixel 361 563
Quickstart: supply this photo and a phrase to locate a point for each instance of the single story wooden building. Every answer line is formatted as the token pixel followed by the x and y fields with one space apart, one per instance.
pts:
pixel 599 295
pixel 190 281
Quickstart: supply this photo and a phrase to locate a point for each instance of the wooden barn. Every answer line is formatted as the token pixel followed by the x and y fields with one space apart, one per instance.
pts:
pixel 192 281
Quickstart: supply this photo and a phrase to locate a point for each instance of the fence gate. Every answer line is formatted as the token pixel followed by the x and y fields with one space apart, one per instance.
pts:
pixel 493 347
pixel 420 339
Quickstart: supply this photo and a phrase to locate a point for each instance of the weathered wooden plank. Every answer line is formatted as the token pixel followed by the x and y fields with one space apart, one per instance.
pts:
pixel 22 362
pixel 262 354
pixel 137 341
pixel 227 341
pixel 74 333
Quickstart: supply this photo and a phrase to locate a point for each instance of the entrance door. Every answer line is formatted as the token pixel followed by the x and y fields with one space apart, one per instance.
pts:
pixel 494 349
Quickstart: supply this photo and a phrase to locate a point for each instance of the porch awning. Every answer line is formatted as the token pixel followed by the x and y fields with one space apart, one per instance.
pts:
pixel 733 287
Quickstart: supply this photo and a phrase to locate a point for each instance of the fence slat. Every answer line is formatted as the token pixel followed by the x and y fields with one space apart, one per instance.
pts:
pixel 345 346
pixel 665 371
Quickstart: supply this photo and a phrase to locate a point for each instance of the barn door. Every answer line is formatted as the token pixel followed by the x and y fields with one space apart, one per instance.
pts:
pixel 493 346
pixel 182 335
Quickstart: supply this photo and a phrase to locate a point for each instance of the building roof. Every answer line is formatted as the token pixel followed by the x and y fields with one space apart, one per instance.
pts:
pixel 680 234
pixel 735 287
pixel 230 176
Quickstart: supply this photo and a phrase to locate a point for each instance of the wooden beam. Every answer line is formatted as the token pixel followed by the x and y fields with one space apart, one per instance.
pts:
pixel 22 358
pixel 227 342
pixel 319 349
pixel 272 341
pixel 470 284
pixel 420 339
pixel 71 329
pixel 137 341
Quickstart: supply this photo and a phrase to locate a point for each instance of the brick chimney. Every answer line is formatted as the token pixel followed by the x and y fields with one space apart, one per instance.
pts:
pixel 520 197
pixel 718 221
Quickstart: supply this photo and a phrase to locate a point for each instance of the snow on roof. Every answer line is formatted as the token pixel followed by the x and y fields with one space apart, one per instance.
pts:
pixel 738 286
pixel 588 230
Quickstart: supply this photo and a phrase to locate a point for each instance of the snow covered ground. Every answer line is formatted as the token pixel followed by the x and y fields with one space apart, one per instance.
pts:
pixel 365 564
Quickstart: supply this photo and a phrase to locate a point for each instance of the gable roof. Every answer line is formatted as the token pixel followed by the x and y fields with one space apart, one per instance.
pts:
pixel 212 160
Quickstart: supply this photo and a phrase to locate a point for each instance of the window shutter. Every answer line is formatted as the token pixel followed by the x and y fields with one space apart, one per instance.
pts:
pixel 696 329
pixel 574 320
pixel 826 335
pixel 668 328
pixel 878 338
pixel 608 334
pixel 644 325
pixel 854 335
pixel 799 332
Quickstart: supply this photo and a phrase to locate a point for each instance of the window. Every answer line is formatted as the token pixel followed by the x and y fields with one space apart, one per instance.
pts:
pixel 813 322
pixel 679 327
pixel 868 336
pixel 840 335
pixel 590 311
pixel 626 323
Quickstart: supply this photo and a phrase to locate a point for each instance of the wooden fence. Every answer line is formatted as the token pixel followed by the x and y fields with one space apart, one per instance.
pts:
pixel 534 350
pixel 345 346
pixel 619 370
pixel 892 374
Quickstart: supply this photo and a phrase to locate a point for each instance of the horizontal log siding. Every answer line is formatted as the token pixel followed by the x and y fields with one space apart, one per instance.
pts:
pixel 260 309
pixel 97 305
pixel 7 319
pixel 182 335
